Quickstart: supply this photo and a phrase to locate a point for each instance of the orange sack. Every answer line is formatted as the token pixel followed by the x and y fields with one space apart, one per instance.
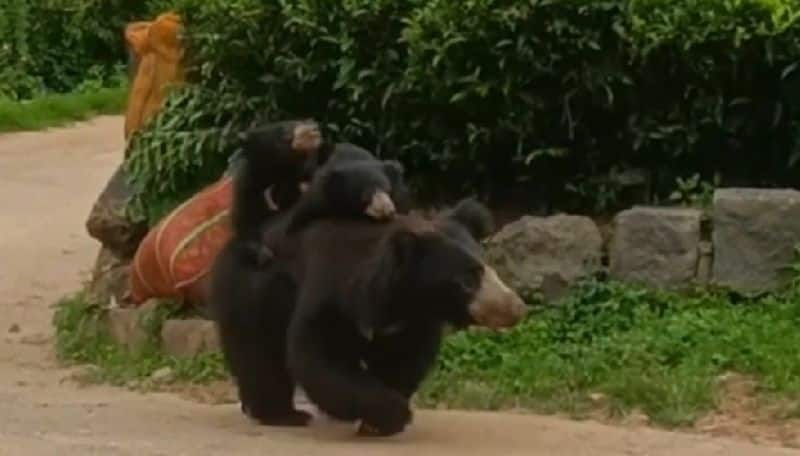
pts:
pixel 176 255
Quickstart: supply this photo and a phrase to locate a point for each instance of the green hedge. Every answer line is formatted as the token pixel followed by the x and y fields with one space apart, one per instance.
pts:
pixel 59 45
pixel 541 102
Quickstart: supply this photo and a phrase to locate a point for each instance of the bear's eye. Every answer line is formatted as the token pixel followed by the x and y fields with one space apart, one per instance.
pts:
pixel 471 280
pixel 476 272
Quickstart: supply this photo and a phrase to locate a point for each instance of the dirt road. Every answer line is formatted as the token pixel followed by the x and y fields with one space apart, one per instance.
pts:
pixel 48 182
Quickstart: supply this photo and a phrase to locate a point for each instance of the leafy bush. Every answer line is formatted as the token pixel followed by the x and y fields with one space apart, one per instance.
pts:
pixel 548 100
pixel 56 45
pixel 660 352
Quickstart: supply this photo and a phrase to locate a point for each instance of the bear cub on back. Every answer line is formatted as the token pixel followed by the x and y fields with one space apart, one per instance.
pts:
pixel 352 183
pixel 349 183
pixel 277 159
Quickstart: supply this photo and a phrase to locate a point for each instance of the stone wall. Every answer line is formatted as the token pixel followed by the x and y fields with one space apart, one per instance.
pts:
pixel 745 243
pixel 178 337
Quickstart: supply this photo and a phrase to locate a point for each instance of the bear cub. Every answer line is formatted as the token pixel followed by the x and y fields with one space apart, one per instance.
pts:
pixel 352 183
pixel 277 157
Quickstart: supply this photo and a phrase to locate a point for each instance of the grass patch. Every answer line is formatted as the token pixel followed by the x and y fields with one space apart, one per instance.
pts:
pixel 657 352
pixel 609 348
pixel 82 338
pixel 59 109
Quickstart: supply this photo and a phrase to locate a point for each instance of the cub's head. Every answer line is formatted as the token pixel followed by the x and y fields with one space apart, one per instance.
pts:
pixel 443 274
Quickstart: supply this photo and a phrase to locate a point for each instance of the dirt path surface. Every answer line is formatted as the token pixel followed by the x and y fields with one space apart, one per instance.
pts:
pixel 48 182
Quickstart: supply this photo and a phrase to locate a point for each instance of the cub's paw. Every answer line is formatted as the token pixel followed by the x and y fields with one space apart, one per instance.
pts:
pixel 380 206
pixel 306 137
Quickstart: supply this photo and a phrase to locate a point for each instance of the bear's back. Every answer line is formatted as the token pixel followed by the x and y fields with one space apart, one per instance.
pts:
pixel 349 246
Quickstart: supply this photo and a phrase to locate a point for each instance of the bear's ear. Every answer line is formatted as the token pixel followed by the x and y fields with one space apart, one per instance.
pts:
pixel 474 216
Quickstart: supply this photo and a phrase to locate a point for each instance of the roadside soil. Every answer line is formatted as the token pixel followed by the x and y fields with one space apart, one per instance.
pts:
pixel 48 182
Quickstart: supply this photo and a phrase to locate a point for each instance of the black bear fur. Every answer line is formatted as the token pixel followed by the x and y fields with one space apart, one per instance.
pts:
pixel 379 294
pixel 352 309
pixel 365 305
pixel 347 185
pixel 269 179
pixel 276 156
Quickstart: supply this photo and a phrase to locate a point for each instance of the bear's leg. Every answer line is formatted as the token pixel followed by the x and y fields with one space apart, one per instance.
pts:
pixel 323 360
pixel 402 359
pixel 267 393
pixel 252 311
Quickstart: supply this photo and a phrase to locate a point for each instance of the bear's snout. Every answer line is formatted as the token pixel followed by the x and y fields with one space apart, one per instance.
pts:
pixel 381 206
pixel 496 305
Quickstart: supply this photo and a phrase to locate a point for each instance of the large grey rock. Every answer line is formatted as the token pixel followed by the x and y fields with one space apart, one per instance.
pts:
pixel 110 278
pixel 545 255
pixel 657 247
pixel 186 338
pixel 755 233
pixel 110 221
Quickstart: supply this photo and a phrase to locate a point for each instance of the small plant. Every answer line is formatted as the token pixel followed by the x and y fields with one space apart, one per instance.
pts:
pixel 694 192
pixel 600 196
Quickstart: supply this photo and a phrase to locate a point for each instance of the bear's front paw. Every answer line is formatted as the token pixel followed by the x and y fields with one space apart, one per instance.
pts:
pixel 306 137
pixel 287 418
pixel 367 430
pixel 387 418
pixel 380 206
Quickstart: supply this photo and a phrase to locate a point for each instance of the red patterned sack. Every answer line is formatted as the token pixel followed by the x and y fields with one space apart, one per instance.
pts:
pixel 178 252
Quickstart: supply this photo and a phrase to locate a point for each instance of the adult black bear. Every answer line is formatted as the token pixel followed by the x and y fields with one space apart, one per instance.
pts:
pixel 365 304
pixel 372 304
